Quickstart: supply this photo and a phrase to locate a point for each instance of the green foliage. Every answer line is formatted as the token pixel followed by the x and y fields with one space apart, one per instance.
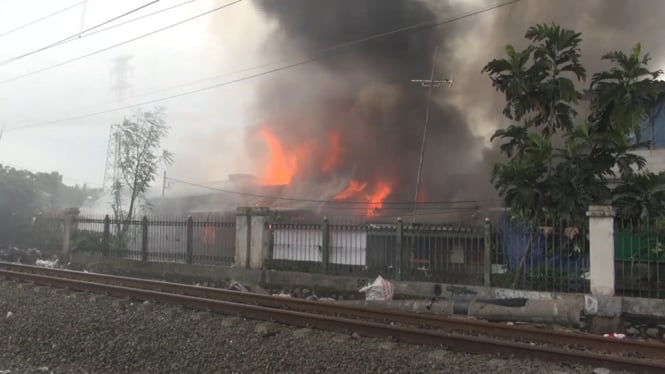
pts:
pixel 540 180
pixel 87 241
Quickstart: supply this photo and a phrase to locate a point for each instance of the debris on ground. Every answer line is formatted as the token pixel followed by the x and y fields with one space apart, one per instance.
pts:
pixel 236 286
pixel 51 263
pixel 381 289
pixel 23 256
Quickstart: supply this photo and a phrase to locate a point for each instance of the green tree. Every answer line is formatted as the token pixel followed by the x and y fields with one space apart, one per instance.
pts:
pixel 641 196
pixel 541 180
pixel 539 86
pixel 141 155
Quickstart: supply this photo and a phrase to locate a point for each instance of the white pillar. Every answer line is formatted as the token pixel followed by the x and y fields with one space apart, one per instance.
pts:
pixel 601 249
pixel 252 237
pixel 242 242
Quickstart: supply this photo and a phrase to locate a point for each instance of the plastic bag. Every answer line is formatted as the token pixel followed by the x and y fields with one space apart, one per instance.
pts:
pixel 381 289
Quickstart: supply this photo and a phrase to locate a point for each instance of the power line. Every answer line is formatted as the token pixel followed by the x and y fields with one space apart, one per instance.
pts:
pixel 119 44
pixel 139 18
pixel 41 19
pixel 87 32
pixel 250 194
pixel 322 54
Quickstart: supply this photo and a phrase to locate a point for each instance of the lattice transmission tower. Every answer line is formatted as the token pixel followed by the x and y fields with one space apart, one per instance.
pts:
pixel 120 85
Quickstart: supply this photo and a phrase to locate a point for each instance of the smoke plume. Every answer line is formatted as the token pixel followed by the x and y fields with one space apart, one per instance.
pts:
pixel 356 115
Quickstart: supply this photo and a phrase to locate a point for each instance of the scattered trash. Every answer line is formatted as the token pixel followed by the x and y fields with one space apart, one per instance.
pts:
pixel 601 371
pixel 381 289
pixel 5 371
pixel 235 286
pixel 615 335
pixel 23 256
pixel 47 263
pixel 282 294
pixel 10 315
pixel 510 323
pixel 43 368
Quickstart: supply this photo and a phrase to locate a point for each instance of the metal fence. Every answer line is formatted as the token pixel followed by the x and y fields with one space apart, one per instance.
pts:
pixel 501 252
pixel 540 255
pixel 639 255
pixel 427 252
pixel 48 233
pixel 201 240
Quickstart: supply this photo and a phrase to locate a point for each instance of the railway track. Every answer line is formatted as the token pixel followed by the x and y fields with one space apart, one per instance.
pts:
pixel 452 333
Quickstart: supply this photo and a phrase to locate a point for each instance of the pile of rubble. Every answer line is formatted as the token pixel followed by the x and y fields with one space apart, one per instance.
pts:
pixel 30 256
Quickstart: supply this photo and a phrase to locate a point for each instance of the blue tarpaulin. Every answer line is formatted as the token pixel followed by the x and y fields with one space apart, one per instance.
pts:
pixel 515 235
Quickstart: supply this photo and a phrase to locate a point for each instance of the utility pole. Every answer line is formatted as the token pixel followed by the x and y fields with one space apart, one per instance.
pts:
pixel 430 84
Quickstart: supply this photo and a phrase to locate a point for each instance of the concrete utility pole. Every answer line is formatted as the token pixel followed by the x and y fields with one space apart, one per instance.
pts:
pixel 430 84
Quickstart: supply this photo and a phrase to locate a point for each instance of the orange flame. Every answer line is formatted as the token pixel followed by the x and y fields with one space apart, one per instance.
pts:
pixel 333 157
pixel 281 167
pixel 382 191
pixel 375 199
pixel 353 188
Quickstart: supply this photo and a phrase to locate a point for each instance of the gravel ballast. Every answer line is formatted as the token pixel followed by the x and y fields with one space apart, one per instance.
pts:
pixel 44 330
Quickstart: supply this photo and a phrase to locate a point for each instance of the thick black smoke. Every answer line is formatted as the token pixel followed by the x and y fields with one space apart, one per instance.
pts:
pixel 365 94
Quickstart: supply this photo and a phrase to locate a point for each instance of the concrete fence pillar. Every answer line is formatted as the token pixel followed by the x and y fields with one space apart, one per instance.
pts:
pixel 601 249
pixel 252 237
pixel 70 225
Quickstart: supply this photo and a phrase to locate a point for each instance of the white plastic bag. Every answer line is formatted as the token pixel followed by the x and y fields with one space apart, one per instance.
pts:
pixel 381 289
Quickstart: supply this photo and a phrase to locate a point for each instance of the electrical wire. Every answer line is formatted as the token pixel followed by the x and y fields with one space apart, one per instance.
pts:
pixel 119 44
pixel 87 32
pixel 310 200
pixel 322 54
pixel 41 19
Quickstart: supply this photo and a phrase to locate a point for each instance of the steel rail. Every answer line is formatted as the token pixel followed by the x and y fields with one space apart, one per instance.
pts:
pixel 594 342
pixel 461 343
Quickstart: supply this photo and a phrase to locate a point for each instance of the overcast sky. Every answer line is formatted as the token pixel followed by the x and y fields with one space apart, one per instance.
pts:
pixel 205 126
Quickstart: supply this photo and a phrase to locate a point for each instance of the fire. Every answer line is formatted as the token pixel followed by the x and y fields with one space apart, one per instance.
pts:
pixel 287 161
pixel 317 158
pixel 281 166
pixel 375 199
pixel 353 188
pixel 333 158
pixel 381 192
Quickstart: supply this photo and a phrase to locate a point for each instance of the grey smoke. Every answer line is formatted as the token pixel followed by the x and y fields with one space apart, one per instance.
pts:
pixel 365 93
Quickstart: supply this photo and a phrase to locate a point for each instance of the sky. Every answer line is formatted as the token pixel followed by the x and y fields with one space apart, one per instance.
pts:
pixel 204 127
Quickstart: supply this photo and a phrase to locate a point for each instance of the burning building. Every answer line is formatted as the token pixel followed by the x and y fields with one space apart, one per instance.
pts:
pixel 342 133
pixel 348 128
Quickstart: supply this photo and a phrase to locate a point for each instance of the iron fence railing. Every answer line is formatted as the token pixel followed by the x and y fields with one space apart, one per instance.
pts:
pixel 201 240
pixel 541 255
pixel 427 252
pixel 48 233
pixel 639 255
pixel 503 251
